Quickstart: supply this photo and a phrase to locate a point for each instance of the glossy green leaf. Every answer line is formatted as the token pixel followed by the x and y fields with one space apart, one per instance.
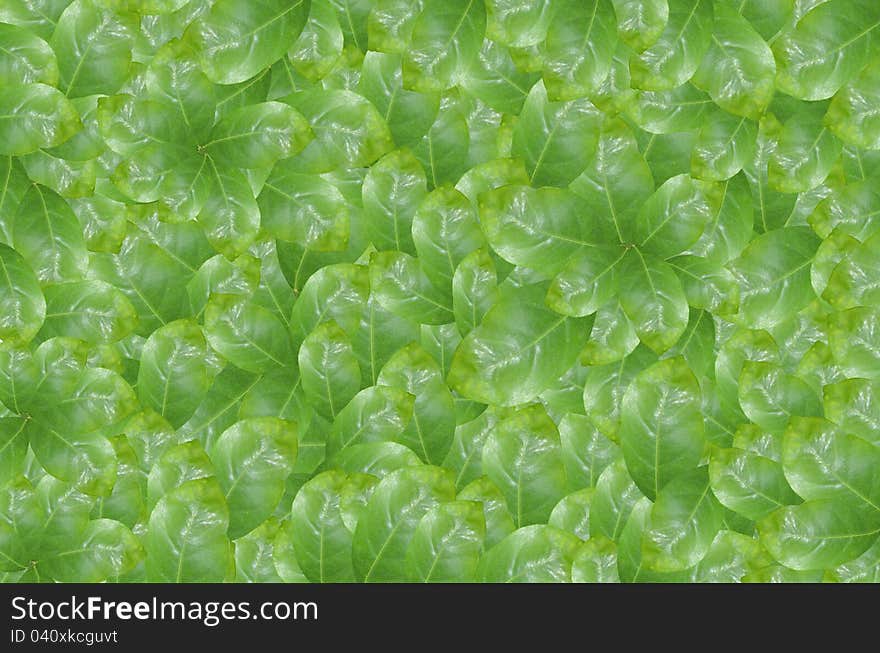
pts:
pixel 748 483
pixel 376 414
pixel 818 534
pixel 447 543
pixel 580 43
pixel 675 56
pixel 533 554
pixel 773 273
pixel 523 457
pixel 34 116
pixel 93 44
pixel 235 39
pixel 826 48
pixel 186 536
pixel 391 519
pixel 557 140
pixel 661 431
pixel 324 516
pixel 738 70
pixel 330 372
pixel 641 23
pixel 246 334
pixel 849 116
pixel 257 135
pixel 392 191
pixel 501 360
pixel 653 299
pixel 446 38
pixel 253 459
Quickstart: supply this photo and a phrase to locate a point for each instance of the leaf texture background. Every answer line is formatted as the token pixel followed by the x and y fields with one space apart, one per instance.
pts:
pixel 440 291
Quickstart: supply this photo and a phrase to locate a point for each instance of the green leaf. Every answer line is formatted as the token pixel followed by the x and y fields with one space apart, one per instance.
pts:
pixel 186 536
pixel 850 282
pixel 409 114
pixel 175 371
pixel 503 361
pixel 258 135
pixel 748 483
pixel 522 456
pixel 818 534
pixel 533 554
pixel 375 458
pixel 348 130
pixel 853 342
pixel 93 311
pixel 445 230
pixel 400 285
pixel 661 431
pixel 820 462
pixel 447 543
pixel 586 284
pixel 849 116
pixel 580 43
pixel 805 154
pixel 446 38
pixel 738 70
pixel 246 334
pixel 335 292
pixel 674 217
pixel 682 525
pixel 536 228
pixel 93 44
pixel 331 375
pixel 319 45
pixel 391 519
pixel 615 183
pixel 707 284
pixel 595 562
pixel 615 496
pixel 572 513
pixel 21 520
pixel 253 459
pixel 375 414
pixel 325 513
pixel 254 555
pixel 773 273
pixel 676 54
pixel 474 289
pixel 47 233
pixel 612 338
pixel 443 150
pixel 304 209
pixel 769 396
pixel 639 22
pixel 724 146
pixel 34 116
pixel 108 549
pixel 23 301
pixel 390 24
pixel 586 452
pixel 826 48
pixel 235 39
pixel 495 79
pixel 432 427
pixel 653 299
pixel 852 404
pixel 174 77
pixel 498 521
pixel 230 216
pixel 392 191
pixel 557 140
pixel 26 58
